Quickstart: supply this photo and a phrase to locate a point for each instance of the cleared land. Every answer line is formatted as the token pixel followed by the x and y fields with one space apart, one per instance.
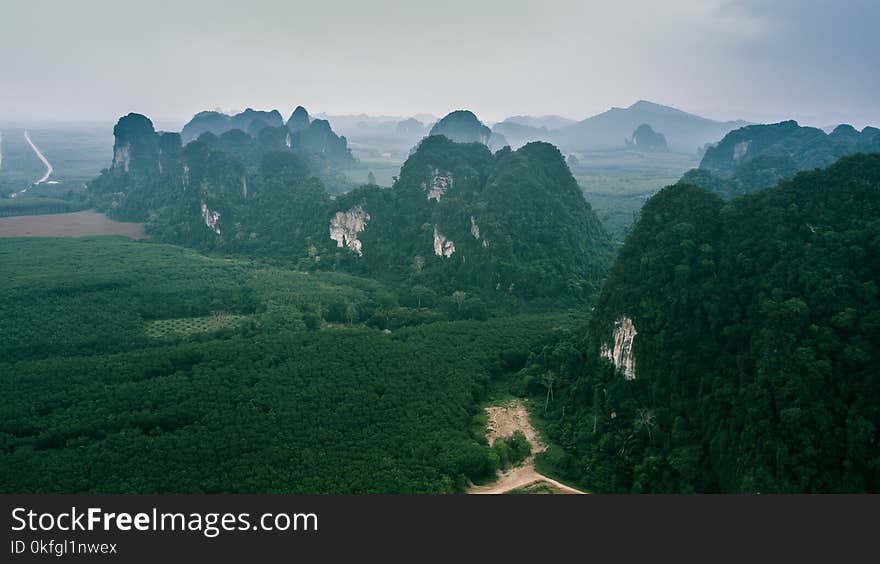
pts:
pixel 77 224
pixel 504 420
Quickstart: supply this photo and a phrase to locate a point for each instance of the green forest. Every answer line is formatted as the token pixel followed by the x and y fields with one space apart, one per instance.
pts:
pixel 755 358
pixel 306 391
pixel 284 333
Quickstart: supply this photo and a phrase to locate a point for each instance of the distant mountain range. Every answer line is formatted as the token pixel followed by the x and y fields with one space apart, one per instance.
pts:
pixel 684 132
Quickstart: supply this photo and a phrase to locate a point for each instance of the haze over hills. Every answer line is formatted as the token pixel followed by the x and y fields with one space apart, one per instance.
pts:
pixel 609 130
pixel 759 156
pixel 513 221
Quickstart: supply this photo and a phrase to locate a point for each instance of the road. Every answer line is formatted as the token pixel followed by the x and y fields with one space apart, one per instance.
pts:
pixel 42 157
pixel 504 420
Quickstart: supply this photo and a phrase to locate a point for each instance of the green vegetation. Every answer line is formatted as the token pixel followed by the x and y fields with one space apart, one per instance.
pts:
pixel 756 348
pixel 459 221
pixel 36 206
pixel 758 156
pixel 512 450
pixel 304 392
pixel 617 183
pixel 192 325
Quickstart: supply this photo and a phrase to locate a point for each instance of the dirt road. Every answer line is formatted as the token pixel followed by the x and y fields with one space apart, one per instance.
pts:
pixel 503 421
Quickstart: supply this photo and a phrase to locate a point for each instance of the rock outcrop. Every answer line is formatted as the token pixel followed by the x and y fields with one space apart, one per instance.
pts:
pixel 620 351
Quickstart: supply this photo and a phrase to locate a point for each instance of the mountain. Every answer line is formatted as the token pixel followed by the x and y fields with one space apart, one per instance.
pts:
pixel 410 127
pixel 609 130
pixel 458 218
pixel 461 217
pixel 644 138
pixel 462 126
pixel 759 156
pixel 518 134
pixel 550 122
pixel 298 120
pixel 735 345
pixel 249 121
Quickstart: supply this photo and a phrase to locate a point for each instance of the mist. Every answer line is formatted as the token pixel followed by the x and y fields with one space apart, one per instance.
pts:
pixel 95 60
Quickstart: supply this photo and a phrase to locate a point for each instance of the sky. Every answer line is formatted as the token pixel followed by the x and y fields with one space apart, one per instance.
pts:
pixel 817 61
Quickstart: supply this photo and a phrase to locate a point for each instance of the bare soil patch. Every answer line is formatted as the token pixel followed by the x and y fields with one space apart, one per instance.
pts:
pixel 76 224
pixel 503 421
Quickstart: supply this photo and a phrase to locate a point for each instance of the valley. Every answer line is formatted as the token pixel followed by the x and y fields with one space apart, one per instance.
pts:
pixel 351 310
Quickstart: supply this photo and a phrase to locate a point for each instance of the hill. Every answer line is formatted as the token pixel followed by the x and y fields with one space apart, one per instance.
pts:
pixel 609 130
pixel 758 156
pixel 458 218
pixel 735 346
pixel 514 222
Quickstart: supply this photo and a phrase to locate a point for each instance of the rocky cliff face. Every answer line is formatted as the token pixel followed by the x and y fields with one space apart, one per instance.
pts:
pixel 620 349
pixel 136 145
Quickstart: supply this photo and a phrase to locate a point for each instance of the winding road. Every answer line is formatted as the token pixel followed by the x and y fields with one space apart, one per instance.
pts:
pixel 42 157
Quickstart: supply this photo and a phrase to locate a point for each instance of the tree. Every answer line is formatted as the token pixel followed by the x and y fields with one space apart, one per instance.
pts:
pixel 458 298
pixel 418 263
pixel 351 312
pixel 419 292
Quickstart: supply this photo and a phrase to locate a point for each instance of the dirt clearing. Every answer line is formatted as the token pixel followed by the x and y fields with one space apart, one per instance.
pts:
pixel 503 421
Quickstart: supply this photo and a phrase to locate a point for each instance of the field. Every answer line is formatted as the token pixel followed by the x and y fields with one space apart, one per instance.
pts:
pixel 76 224
pixel 617 183
pixel 264 379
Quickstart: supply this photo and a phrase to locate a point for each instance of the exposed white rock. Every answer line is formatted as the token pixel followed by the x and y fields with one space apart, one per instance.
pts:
pixel 475 229
pixel 485 243
pixel 287 141
pixel 185 176
pixel 244 186
pixel 122 157
pixel 443 247
pixel 740 149
pixel 345 226
pixel 212 219
pixel 621 351
pixel 440 183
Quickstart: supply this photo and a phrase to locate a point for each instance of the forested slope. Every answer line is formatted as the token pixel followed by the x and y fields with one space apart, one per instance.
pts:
pixel 735 347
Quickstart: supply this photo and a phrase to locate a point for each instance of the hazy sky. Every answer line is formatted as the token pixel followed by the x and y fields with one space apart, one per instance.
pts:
pixel 814 60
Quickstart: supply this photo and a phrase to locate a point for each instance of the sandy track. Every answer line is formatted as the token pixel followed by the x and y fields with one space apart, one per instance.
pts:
pixel 503 421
